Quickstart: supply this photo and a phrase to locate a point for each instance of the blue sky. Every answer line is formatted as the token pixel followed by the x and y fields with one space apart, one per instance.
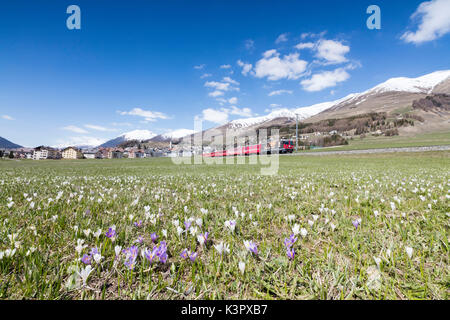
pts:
pixel 156 65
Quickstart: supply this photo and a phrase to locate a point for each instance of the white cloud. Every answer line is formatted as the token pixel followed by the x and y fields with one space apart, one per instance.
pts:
pixel 147 114
pixel 332 51
pixel 225 66
pixel 74 129
pixel 205 75
pixel 244 112
pixel 6 117
pixel 278 92
pixel 199 67
pixel 221 87
pixel 282 38
pixel 233 100
pixel 221 116
pixel 215 116
pixel 434 22
pixel 305 45
pixel 218 85
pixel 98 128
pixel 216 93
pixel 229 80
pixel 116 124
pixel 274 68
pixel 312 35
pixel 324 80
pixel 80 141
pixel 246 67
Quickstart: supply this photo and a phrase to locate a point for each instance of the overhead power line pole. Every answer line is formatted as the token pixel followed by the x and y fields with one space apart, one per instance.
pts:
pixel 296 132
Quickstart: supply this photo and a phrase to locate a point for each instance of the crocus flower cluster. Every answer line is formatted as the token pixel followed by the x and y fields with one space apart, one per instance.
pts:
pixel 202 238
pixel 188 254
pixel 131 254
pixel 111 233
pixel 87 258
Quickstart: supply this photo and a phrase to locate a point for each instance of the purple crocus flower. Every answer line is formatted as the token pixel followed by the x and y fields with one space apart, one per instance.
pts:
pixel 111 234
pixel 290 253
pixel 151 254
pixel 163 257
pixel 355 223
pixel 161 252
pixel 94 251
pixel 184 254
pixel 193 256
pixel 140 239
pixel 288 242
pixel 154 237
pixel 131 254
pixel 138 223
pixel 251 246
pixel 187 224
pixel 86 259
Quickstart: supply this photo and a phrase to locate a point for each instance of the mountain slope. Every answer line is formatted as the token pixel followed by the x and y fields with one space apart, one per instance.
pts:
pixel 6 144
pixel 391 96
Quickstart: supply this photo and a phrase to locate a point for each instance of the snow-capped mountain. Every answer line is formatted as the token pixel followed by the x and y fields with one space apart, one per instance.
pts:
pixel 423 85
pixel 139 135
pixel 302 113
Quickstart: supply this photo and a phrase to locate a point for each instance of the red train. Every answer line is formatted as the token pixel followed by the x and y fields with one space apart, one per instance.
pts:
pixel 286 146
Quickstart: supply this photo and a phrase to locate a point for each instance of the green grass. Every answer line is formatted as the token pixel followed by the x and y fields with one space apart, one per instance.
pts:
pixel 371 142
pixel 329 263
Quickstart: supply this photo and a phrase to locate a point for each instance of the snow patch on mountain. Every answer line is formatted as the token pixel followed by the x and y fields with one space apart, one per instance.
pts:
pixel 138 135
pixel 423 84
pixel 177 134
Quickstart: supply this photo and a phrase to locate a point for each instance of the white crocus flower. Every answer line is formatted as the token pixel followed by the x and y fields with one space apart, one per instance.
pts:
pixel 164 232
pixel 117 250
pixel 222 248
pixel 97 257
pixel 84 274
pixel 193 230
pixel 242 267
pixel 303 232
pixel 296 229
pixel 80 246
pixel 409 251
pixel 98 233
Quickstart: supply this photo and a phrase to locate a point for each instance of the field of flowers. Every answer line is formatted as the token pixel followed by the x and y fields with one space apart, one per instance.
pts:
pixel 349 227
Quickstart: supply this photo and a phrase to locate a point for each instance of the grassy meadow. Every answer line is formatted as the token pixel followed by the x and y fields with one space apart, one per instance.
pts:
pixel 348 227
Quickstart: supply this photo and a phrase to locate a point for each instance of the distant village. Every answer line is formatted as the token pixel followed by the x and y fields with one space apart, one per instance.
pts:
pixel 44 153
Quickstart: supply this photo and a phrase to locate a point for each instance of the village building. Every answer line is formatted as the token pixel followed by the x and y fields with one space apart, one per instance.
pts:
pixel 71 153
